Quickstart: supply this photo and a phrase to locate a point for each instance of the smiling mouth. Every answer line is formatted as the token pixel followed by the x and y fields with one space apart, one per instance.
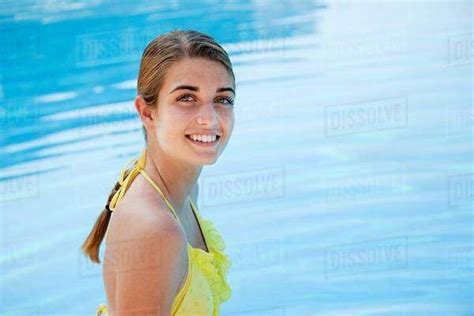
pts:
pixel 203 142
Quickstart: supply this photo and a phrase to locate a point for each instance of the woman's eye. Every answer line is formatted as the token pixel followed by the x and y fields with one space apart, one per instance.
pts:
pixel 189 97
pixel 227 100
pixel 185 97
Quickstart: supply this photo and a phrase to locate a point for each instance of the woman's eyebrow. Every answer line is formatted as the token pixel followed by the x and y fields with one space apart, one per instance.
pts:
pixel 193 88
pixel 225 89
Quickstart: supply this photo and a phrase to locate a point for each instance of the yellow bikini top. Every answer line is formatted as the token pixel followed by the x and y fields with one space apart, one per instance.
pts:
pixel 205 287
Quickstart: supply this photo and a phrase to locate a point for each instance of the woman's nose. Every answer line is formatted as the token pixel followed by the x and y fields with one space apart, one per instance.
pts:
pixel 207 115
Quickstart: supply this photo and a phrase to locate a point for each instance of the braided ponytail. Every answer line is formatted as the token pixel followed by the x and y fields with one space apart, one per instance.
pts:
pixel 91 245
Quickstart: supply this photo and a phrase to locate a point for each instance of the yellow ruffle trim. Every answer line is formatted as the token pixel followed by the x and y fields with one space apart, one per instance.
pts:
pixel 214 265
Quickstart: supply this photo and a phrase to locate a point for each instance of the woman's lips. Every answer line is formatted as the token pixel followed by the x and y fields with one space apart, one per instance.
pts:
pixel 203 144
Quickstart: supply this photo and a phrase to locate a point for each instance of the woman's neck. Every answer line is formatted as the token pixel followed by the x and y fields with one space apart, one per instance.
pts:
pixel 175 179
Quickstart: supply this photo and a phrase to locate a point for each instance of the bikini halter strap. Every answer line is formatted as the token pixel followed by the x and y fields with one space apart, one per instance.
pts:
pixel 126 180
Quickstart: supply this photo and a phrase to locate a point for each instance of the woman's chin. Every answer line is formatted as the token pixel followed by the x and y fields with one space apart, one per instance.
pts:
pixel 202 161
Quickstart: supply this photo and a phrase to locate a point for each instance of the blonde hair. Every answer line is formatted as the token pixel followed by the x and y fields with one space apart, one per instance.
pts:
pixel 156 59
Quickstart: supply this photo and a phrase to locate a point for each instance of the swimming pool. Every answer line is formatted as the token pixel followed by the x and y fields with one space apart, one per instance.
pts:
pixel 346 188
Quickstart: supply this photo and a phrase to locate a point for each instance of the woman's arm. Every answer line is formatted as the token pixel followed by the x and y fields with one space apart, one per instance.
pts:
pixel 148 268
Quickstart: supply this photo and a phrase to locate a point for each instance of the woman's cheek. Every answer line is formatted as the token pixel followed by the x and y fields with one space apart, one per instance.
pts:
pixel 229 117
pixel 227 121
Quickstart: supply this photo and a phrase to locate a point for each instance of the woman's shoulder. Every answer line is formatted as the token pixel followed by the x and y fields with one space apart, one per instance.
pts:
pixel 139 233
pixel 145 247
pixel 146 221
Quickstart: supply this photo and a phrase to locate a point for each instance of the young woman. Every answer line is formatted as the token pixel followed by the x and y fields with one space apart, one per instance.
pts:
pixel 162 257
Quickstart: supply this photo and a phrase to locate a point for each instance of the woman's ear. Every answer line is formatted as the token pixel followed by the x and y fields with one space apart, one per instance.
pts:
pixel 145 112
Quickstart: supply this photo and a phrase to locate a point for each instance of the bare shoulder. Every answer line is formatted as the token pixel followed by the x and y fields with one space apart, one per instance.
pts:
pixel 153 235
pixel 146 258
pixel 146 220
pixel 147 224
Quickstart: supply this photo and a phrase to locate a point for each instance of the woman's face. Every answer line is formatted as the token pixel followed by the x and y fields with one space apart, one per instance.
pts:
pixel 195 115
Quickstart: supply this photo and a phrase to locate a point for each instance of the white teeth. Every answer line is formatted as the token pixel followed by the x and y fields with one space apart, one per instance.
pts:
pixel 204 138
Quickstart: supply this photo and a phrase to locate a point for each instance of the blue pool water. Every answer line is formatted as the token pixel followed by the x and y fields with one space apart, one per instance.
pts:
pixel 347 187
